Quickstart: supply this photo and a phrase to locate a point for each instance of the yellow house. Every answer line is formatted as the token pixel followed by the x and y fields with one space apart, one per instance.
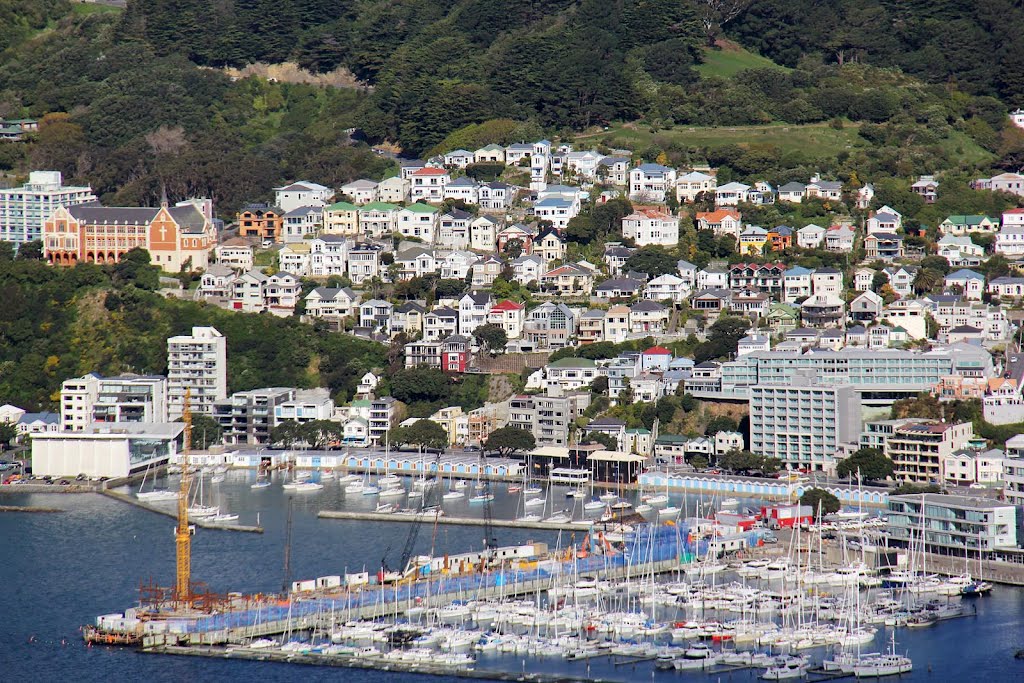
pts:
pixel 454 421
pixel 752 240
pixel 341 219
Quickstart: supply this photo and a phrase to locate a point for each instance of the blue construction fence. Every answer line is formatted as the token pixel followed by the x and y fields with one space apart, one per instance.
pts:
pixel 647 544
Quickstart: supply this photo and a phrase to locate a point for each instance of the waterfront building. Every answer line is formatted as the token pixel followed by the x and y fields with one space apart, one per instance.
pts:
pixel 918 449
pixel 125 398
pixel 197 362
pixel 803 423
pixel 247 417
pixel 24 209
pixel 109 450
pixel 383 416
pixel 308 405
pixel 1013 471
pixel 876 432
pixel 952 525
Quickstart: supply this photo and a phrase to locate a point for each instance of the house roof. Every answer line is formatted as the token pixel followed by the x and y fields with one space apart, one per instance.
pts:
pixel 972 219
pixel 619 284
pixel 507 305
pixel 965 274
pixel 573 363
pixel 361 184
pixel 421 208
pixel 657 351
pixel 792 187
pixel 379 206
pixel 342 206
pixel 718 216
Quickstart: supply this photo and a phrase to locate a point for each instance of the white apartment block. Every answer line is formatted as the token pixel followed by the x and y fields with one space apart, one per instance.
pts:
pixel 196 362
pixel 24 209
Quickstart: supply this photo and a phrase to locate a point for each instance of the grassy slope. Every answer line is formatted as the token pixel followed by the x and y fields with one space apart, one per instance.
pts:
pixel 93 8
pixel 730 59
pixel 823 139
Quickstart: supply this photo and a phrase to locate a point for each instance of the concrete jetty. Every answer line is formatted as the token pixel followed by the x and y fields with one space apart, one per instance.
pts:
pixel 431 518
pixel 27 508
pixel 173 514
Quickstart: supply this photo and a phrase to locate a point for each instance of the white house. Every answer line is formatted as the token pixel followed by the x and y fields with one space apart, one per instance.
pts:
pixel 418 220
pixel 427 184
pixel 651 227
pixel 667 287
pixel 651 182
pixel 731 194
pixel 458 158
pixel 302 193
pixel 474 308
pixel 1010 241
pixel 691 184
pixel 971 283
pixel 810 236
pixel 360 191
pixel 465 189
pixel 496 196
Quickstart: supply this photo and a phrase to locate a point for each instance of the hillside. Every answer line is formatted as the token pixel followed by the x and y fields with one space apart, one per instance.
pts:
pixel 148 103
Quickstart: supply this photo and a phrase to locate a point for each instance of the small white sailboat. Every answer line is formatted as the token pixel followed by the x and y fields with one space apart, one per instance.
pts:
pixel 199 511
pixel 533 502
pixel 355 487
pixel 224 518
pixel 669 512
pixel 593 506
pixel 154 494
pixel 370 490
pixel 386 508
pixel 453 495
pixel 485 497
pixel 657 500
pixel 392 492
pixel 608 497
pixel 307 487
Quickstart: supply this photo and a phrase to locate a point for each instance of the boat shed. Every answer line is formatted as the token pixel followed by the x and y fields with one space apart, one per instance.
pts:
pixel 114 449
pixel 616 466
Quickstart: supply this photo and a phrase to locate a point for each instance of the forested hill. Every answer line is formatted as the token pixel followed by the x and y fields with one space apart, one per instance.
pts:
pixel 135 100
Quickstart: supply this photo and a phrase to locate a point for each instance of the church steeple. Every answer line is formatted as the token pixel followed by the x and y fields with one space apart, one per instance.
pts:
pixel 163 196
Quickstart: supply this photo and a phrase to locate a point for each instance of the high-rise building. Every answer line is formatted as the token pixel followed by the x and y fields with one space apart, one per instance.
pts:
pixel 197 362
pixel 803 423
pixel 919 449
pixel 23 210
pixel 247 417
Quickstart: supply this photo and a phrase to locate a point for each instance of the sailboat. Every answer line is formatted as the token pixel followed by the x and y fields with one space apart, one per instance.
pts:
pixel 197 509
pixel 154 494
pixel 889 664
pixel 261 483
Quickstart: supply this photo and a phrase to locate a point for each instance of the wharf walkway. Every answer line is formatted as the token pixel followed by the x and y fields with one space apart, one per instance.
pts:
pixel 376 663
pixel 432 518
pixel 173 514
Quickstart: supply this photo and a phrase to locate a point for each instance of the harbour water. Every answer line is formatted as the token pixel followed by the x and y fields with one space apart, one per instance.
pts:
pixel 60 570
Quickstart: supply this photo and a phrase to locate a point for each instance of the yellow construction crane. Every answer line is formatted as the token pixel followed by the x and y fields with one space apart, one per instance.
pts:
pixel 183 532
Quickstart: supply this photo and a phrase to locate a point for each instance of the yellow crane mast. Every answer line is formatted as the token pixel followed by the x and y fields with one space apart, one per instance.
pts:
pixel 183 532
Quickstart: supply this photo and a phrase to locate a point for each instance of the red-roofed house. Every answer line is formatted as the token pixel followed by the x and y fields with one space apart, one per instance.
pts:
pixel 655 359
pixel 1013 217
pixel 428 184
pixel 722 221
pixel 509 316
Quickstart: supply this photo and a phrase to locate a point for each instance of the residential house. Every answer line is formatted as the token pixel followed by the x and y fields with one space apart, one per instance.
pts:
pixel 1010 241
pixel 753 343
pixel 823 310
pixel 691 184
pixel 1013 217
pixel 864 196
pixel 328 255
pixel 376 316
pixel 296 258
pixel 827 281
pixel 261 221
pixel 341 218
pixel 840 238
pixel 550 325
pixel 453 229
pixel 486 270
pixel 464 189
pixel 616 324
pixel 235 254
pixel 796 284
pixel 408 318
pixel 866 306
pixel 378 219
pixel 713 277
pixel 483 233
pixel 781 237
pixel 556 210
pixel 764 277
pixel 474 308
pixel 964 225
pixel 458 158
pixel 721 221
pixel 667 287
pixel 527 269
pixel 649 226
pixel 901 279
pixel 406 167
pixel 215 282
pixel 618 288
pixel 394 190
pixel 302 222
pixel 781 318
pixel 490 154
pixel 360 191
pixel 651 182
pixel 518 154
pixel 615 257
pixel 732 194
pixel 509 316
pixel 810 236
pixel 415 262
pixel 570 374
pixel 427 185
pixel 524 234
pixel 969 282
pixel 750 303
pixel 927 188
pixel 1012 183
pixel 549 245
pixel 440 323
pixel 792 193
pixel 332 303
pixel 614 170
pixel 648 317
pixel 496 196
pixel 862 279
pixel 711 303
pixel 364 262
pixel 591 326
pixel 752 240
pixel 827 190
pixel 568 278
pixel 456 265
pixel 687 272
pixel 960 250
pixel 418 220
pixel 302 193
pixel 884 246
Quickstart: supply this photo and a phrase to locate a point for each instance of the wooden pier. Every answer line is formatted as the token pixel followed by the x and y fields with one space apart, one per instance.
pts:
pixel 431 518
pixel 173 514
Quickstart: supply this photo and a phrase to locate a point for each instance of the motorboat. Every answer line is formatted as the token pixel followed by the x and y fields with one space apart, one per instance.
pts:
pixel 698 651
pixel 923 620
pixel 307 487
pixel 882 665
pixel 730 504
pixel 533 502
pixel 460 484
pixel 786 668
pixel 668 512
pixel 976 588
pixel 482 498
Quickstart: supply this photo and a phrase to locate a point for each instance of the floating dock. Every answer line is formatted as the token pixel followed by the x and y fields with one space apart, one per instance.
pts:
pixel 431 518
pixel 173 514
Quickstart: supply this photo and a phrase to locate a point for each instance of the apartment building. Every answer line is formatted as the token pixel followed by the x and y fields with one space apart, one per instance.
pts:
pixel 548 418
pixel 124 398
pixel 24 209
pixel 952 525
pixel 196 362
pixel 384 415
pixel 804 423
pixel 919 449
pixel 247 417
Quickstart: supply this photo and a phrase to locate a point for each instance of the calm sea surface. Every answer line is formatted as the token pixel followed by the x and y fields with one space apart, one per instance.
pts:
pixel 58 571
